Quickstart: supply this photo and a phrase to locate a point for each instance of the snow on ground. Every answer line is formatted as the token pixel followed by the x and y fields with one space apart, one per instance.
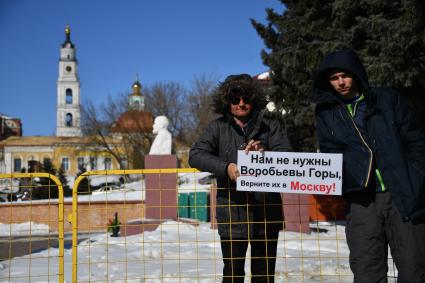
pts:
pixel 180 252
pixel 185 253
pixel 176 251
pixel 191 182
pixel 126 194
pixel 96 180
pixel 135 190
pixel 27 228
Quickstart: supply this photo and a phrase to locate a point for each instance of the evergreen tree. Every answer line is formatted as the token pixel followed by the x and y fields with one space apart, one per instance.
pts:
pixel 83 186
pixel 62 178
pixel 388 35
pixel 47 189
pixel 48 167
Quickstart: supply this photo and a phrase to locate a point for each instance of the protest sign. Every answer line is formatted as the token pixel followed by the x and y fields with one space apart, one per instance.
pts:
pixel 290 172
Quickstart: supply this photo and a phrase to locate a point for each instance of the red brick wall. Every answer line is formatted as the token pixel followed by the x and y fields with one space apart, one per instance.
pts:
pixel 91 215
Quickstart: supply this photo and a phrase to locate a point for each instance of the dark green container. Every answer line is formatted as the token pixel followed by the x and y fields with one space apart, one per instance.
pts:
pixel 199 208
pixel 183 205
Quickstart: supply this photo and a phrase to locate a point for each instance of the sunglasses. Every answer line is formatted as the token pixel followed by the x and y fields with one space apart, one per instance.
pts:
pixel 235 99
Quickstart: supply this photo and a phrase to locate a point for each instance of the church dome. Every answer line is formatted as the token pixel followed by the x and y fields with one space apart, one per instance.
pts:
pixel 133 121
pixel 136 88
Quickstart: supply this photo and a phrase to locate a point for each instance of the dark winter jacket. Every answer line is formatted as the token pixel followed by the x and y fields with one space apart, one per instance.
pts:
pixel 392 142
pixel 218 147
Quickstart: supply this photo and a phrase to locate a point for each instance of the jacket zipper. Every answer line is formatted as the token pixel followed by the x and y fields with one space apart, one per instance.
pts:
pixel 369 149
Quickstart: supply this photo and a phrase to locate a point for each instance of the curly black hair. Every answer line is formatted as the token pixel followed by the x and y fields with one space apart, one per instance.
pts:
pixel 242 85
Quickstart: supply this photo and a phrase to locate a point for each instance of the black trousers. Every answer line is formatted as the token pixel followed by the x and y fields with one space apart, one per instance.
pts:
pixel 263 259
pixel 373 224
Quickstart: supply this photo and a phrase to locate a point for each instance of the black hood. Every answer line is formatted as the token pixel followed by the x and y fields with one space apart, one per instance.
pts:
pixel 343 60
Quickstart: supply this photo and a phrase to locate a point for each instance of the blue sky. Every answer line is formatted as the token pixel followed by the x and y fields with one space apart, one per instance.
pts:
pixel 160 40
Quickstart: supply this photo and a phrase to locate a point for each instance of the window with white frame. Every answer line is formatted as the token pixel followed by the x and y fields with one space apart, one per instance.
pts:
pixel 17 164
pixel 65 164
pixel 80 163
pixel 124 162
pixel 93 163
pixel 108 163
pixel 68 96
pixel 68 120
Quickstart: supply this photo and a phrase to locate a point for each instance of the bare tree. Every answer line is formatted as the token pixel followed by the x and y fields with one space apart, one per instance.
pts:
pixel 188 111
pixel 127 144
pixel 169 99
pixel 200 106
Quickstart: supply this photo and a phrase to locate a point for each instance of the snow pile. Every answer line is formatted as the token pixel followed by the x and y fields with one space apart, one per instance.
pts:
pixel 186 253
pixel 194 182
pixel 180 252
pixel 23 229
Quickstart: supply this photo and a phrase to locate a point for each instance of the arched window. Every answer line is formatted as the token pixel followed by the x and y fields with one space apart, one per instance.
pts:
pixel 108 163
pixel 68 93
pixel 81 164
pixel 93 163
pixel 68 120
pixel 17 164
pixel 65 163
pixel 124 162
pixel 47 161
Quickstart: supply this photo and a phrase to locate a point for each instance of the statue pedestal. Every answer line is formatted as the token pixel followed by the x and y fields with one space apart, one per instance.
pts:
pixel 296 212
pixel 161 189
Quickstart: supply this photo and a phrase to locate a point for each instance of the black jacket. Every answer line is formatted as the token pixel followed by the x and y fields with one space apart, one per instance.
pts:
pixel 393 142
pixel 218 147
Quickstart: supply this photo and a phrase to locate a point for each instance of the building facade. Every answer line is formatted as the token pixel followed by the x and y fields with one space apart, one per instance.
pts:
pixel 72 154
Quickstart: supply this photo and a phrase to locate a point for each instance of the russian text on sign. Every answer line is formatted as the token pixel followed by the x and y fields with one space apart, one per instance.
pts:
pixel 291 172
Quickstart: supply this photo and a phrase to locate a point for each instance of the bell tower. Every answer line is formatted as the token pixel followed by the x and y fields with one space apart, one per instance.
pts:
pixel 68 91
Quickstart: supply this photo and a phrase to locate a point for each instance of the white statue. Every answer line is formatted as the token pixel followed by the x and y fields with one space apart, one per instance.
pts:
pixel 162 141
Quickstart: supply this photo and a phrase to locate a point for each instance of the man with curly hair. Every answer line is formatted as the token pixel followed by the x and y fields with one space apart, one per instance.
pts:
pixel 243 218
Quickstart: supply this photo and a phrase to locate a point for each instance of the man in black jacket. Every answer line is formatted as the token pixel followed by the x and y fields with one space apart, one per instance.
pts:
pixel 383 168
pixel 243 218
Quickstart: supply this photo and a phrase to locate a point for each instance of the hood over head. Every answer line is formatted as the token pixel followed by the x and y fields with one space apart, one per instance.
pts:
pixel 238 85
pixel 343 60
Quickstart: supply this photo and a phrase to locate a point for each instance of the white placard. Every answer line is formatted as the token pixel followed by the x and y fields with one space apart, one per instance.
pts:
pixel 290 172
